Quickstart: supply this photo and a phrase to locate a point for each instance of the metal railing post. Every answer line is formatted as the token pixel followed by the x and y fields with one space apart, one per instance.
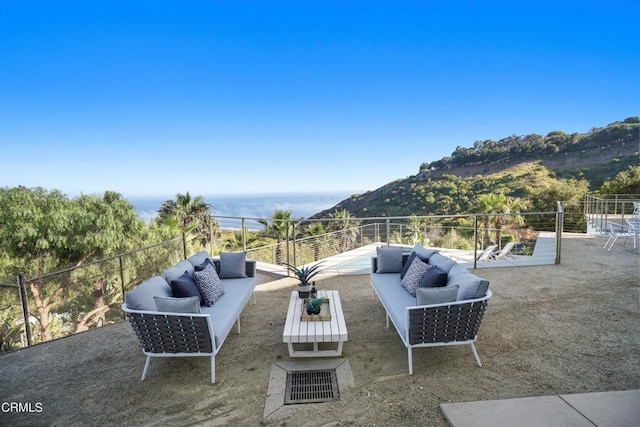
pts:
pixel 244 235
pixel 184 245
pixel 475 241
pixel 210 236
pixel 286 241
pixel 293 234
pixel 388 230
pixel 559 227
pixel 25 308
pixel 122 283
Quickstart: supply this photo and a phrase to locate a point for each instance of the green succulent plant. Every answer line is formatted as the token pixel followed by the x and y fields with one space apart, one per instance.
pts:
pixel 314 305
pixel 305 274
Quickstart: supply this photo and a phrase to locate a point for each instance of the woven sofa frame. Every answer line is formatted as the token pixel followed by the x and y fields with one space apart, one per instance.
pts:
pixel 454 323
pixel 163 334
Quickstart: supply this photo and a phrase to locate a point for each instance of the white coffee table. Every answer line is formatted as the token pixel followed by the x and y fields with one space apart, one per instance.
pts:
pixel 297 331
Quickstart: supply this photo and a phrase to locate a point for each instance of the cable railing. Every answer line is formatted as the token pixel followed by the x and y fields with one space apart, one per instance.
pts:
pixel 600 210
pixel 72 300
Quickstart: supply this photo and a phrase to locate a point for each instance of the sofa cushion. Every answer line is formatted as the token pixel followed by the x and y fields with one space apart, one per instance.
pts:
pixel 434 278
pixel 442 262
pixel 141 297
pixel 209 284
pixel 420 251
pixel 415 274
pixel 471 286
pixel 393 297
pixel 177 270
pixel 232 265
pixel 226 310
pixel 441 295
pixel 389 259
pixel 185 286
pixel 198 258
pixel 178 305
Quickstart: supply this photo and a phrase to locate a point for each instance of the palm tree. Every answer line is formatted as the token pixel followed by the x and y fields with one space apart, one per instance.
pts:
pixel 347 226
pixel 193 214
pixel 315 232
pixel 277 227
pixel 489 204
pixel 498 203
pixel 234 241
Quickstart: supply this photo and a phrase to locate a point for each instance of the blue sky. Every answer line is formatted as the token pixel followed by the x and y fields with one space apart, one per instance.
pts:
pixel 217 97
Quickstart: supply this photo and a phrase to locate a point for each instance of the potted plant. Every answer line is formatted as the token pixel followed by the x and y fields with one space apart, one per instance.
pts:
pixel 304 275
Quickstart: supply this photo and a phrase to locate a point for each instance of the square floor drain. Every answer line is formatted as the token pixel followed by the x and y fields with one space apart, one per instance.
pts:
pixel 311 387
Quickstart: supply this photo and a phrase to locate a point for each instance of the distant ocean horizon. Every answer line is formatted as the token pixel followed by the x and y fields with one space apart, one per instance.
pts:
pixel 301 205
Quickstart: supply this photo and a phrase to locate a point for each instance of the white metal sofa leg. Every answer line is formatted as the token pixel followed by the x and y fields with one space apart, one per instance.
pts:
pixel 410 359
pixel 146 367
pixel 213 369
pixel 475 354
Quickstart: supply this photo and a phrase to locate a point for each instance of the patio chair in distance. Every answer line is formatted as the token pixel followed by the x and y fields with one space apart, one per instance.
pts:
pixel 504 252
pixel 486 254
pixel 616 231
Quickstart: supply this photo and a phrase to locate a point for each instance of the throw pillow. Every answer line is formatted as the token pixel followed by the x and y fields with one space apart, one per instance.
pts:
pixel 209 284
pixel 232 265
pixel 434 278
pixel 185 286
pixel 407 264
pixel 177 270
pixel 418 251
pixel 442 262
pixel 424 253
pixel 416 272
pixel 204 264
pixel 178 305
pixel 471 286
pixel 428 296
pixel 389 259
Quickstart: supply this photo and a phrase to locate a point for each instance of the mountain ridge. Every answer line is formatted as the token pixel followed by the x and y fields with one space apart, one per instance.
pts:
pixel 514 165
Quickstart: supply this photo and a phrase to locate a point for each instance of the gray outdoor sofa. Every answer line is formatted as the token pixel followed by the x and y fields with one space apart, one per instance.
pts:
pixel 446 313
pixel 188 328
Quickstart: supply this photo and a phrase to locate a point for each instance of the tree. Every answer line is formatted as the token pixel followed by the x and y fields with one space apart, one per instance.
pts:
pixel 489 204
pixel 625 182
pixel 504 207
pixel 545 198
pixel 278 227
pixel 193 214
pixel 44 230
pixel 347 228
pixel 315 232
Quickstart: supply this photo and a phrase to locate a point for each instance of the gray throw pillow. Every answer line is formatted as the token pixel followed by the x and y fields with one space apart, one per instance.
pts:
pixel 423 252
pixel 442 295
pixel 389 259
pixel 209 284
pixel 442 262
pixel 415 274
pixel 232 265
pixel 178 305
pixel 471 286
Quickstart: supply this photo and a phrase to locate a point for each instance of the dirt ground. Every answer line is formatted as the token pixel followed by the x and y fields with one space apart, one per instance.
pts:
pixel 570 328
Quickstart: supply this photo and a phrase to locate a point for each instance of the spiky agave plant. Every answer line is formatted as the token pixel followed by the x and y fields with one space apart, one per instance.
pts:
pixel 305 274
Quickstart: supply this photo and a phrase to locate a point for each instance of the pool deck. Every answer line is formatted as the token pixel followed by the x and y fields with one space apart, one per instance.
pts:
pixel 357 261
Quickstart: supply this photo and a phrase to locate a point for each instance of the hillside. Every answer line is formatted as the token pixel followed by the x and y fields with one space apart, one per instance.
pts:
pixel 516 165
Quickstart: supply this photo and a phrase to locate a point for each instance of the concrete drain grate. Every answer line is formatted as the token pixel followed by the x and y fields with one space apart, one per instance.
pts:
pixel 311 387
